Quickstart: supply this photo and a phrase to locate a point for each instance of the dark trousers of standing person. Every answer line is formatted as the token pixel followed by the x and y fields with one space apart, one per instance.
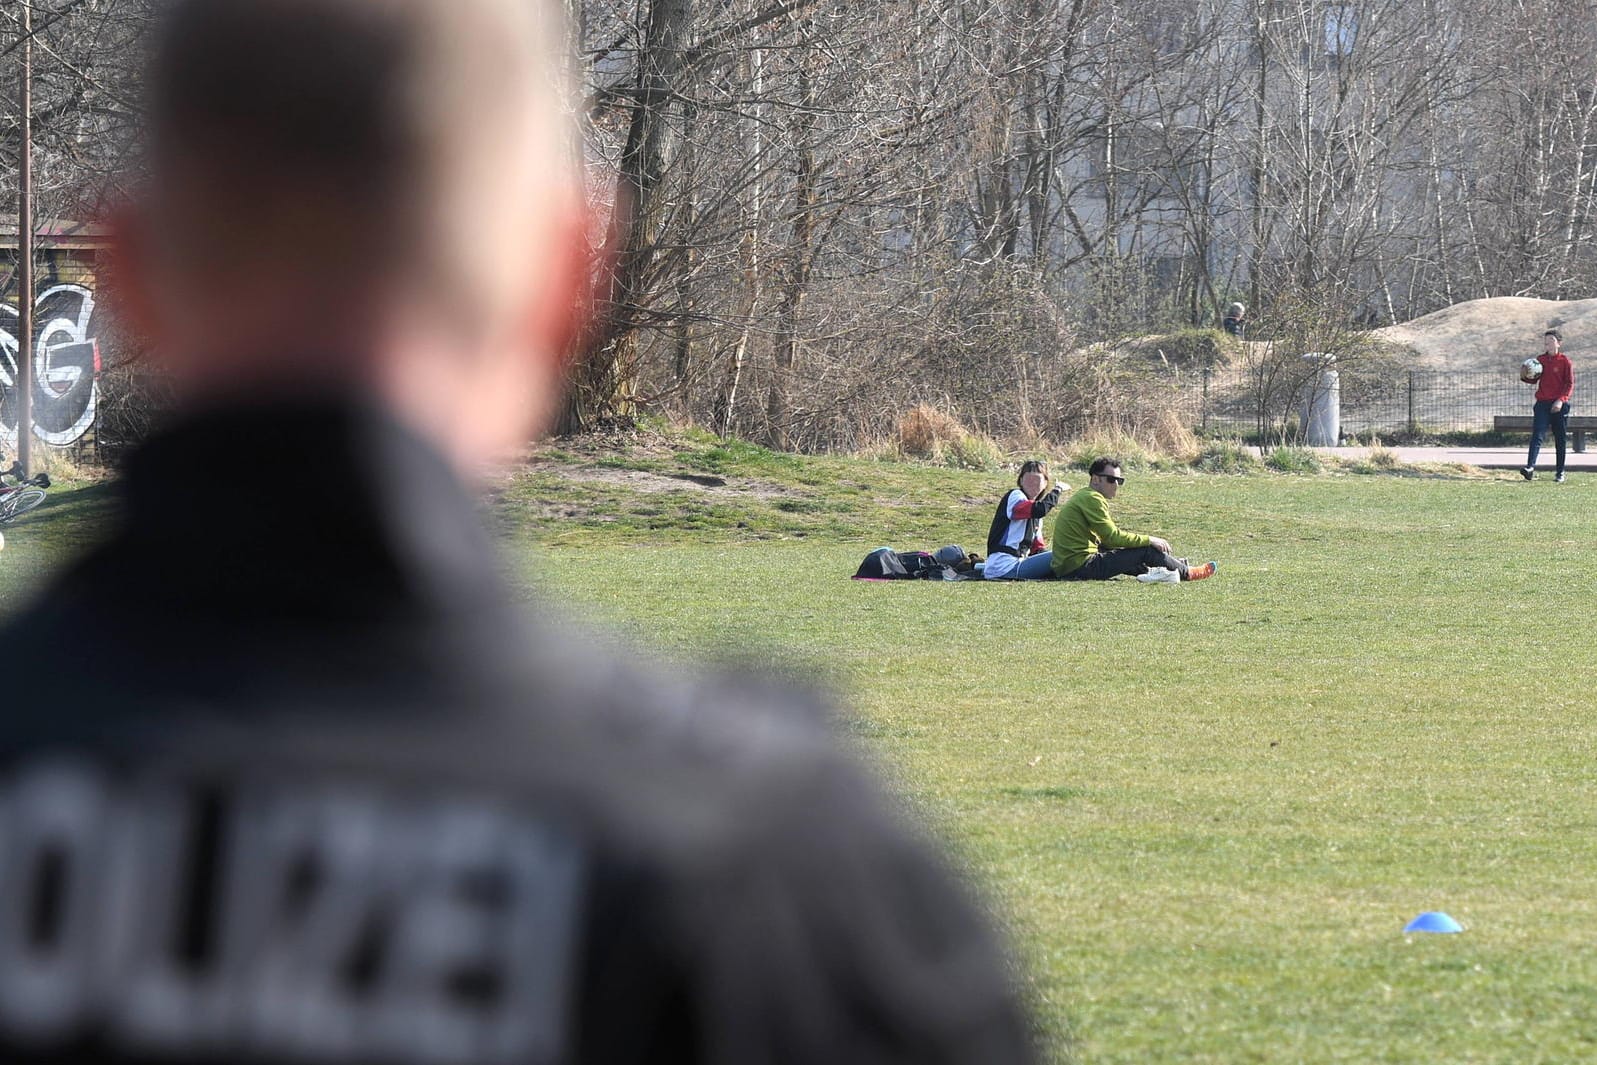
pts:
pixel 1125 562
pixel 1543 418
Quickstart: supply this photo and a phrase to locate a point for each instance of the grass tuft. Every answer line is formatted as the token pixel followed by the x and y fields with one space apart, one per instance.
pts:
pixel 1383 458
pixel 1227 456
pixel 1286 459
pixel 1133 453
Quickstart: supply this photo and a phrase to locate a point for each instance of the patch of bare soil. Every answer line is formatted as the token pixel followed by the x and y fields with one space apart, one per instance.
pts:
pixel 646 481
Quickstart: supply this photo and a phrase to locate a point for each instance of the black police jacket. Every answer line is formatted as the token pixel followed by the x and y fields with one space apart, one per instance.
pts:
pixel 287 776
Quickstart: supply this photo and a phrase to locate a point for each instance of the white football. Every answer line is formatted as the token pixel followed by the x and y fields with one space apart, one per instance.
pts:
pixel 1530 370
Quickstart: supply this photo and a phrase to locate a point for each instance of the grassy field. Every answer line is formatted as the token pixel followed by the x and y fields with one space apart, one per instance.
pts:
pixel 1206 810
pixel 71 517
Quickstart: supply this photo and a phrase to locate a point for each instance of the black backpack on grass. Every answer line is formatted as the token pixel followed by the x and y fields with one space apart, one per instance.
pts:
pixel 885 564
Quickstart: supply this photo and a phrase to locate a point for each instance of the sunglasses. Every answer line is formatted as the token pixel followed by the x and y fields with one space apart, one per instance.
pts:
pixel 1112 480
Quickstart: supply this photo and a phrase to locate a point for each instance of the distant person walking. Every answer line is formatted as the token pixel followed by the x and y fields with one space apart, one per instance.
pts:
pixel 1553 389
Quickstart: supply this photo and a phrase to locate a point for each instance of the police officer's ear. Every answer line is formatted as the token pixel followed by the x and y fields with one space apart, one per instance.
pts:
pixel 580 264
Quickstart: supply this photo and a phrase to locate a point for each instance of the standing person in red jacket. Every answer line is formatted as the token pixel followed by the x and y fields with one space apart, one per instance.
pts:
pixel 1553 390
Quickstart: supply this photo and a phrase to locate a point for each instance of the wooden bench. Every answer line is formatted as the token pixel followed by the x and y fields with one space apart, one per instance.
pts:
pixel 1579 425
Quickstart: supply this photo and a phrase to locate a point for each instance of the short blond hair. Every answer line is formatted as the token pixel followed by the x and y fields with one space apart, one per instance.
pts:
pixel 346 117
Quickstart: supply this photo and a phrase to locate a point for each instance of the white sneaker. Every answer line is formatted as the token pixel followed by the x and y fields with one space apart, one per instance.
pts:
pixel 1160 575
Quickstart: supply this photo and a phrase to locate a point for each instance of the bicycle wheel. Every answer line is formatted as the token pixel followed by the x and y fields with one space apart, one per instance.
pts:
pixel 19 503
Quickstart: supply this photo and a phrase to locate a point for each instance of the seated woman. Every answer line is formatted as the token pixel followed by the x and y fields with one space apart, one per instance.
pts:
pixel 1015 550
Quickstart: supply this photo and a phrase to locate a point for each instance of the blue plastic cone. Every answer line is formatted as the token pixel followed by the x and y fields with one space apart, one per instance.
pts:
pixel 1433 921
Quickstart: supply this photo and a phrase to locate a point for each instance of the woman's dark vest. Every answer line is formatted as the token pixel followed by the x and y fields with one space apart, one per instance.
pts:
pixel 1000 526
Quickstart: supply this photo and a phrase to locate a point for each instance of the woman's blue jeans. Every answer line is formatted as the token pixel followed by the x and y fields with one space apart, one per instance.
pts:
pixel 1039 567
pixel 1544 417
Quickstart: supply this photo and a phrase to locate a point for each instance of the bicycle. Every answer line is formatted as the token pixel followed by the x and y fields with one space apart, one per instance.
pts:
pixel 17 499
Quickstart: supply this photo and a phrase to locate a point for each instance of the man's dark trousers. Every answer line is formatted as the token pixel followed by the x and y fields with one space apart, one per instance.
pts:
pixel 1126 562
pixel 1545 416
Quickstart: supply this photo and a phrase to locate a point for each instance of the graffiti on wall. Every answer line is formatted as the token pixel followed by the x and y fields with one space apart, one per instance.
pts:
pixel 66 365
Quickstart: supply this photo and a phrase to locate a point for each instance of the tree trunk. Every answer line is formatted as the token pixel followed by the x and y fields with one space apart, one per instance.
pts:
pixel 683 370
pixel 725 408
pixel 796 281
pixel 1260 150
pixel 604 381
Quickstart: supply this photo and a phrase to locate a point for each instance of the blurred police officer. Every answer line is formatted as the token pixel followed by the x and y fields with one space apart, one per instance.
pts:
pixel 284 773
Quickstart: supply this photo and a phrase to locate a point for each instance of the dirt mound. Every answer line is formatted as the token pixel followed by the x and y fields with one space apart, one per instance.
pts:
pixel 1492 334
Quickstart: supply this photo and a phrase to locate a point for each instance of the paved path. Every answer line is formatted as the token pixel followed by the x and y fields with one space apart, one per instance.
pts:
pixel 1491 458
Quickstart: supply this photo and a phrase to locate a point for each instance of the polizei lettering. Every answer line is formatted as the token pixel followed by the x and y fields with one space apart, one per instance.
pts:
pixel 309 923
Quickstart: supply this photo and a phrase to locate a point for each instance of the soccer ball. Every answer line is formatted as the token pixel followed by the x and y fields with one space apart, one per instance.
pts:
pixel 1530 370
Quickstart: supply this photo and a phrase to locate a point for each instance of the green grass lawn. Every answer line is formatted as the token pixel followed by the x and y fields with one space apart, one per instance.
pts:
pixel 1206 810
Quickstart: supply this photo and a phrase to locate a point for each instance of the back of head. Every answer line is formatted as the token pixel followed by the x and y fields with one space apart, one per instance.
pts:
pixel 341 177
pixel 529 860
pixel 360 119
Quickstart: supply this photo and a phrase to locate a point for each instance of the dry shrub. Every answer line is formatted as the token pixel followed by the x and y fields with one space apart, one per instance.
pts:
pixel 972 451
pixel 65 464
pixel 1029 440
pixel 924 429
pixel 877 450
pixel 1111 442
pixel 928 433
pixel 1170 435
pixel 134 401
pixel 1160 441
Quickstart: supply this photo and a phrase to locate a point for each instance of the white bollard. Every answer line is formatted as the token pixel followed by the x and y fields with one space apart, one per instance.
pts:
pixel 1321 409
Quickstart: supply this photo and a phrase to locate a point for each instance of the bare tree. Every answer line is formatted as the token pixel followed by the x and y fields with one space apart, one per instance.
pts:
pixel 811 197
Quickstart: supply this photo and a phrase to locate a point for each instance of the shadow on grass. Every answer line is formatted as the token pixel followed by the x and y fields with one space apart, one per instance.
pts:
pixel 72 518
pixel 1055 794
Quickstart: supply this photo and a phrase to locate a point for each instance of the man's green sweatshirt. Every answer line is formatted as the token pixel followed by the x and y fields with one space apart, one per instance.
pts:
pixel 1082 528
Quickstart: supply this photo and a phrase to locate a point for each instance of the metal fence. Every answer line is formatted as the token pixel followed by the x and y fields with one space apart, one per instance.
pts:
pixel 1413 403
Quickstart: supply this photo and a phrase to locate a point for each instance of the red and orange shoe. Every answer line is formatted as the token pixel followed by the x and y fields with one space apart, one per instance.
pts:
pixel 1201 573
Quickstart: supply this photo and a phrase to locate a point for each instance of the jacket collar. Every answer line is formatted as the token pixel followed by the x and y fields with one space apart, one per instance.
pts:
pixel 321 508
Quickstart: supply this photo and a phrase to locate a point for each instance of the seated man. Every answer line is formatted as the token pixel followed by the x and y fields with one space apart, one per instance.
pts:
pixel 1088 546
